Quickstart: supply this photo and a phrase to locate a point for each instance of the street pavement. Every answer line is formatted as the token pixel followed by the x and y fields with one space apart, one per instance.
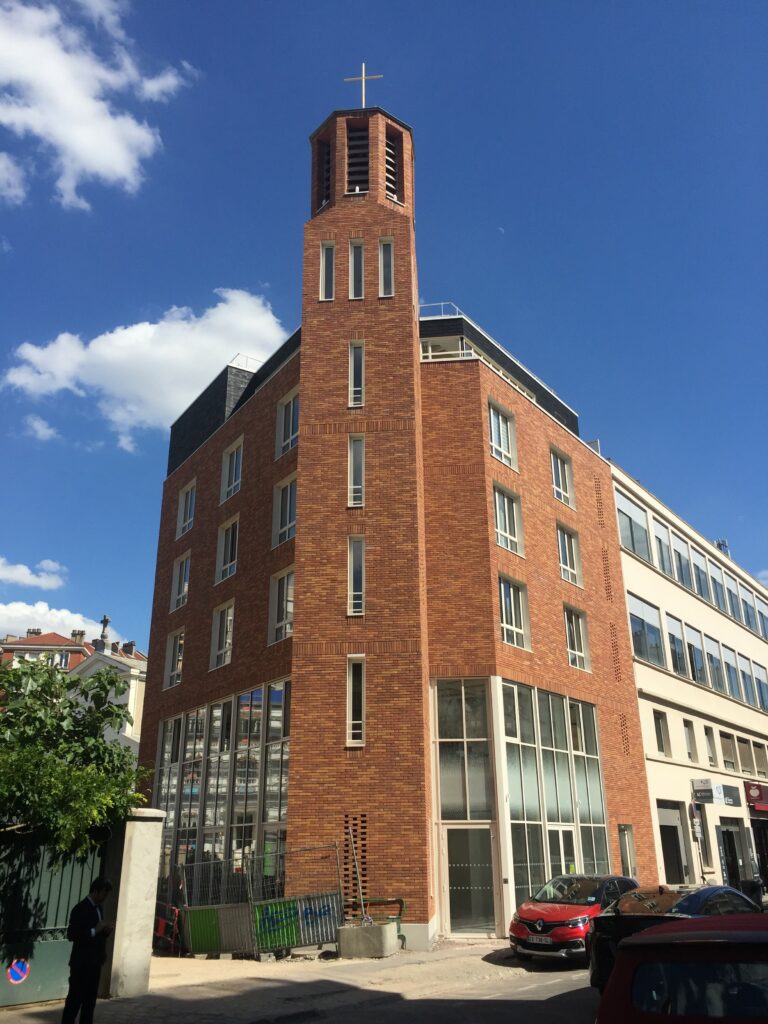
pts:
pixel 457 983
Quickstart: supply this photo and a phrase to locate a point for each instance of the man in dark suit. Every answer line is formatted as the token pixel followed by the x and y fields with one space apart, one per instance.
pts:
pixel 88 932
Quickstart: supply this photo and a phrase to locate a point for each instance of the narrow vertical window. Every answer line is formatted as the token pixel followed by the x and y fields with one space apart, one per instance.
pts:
pixel 662 733
pixel 394 160
pixel 502 430
pixel 568 549
pixel 690 740
pixel 734 605
pixel 357 158
pixel 507 519
pixel 175 658
pixel 284 518
pixel 356 701
pixel 633 527
pixel 356 269
pixel 709 736
pixel 386 279
pixel 561 478
pixel 227 550
pixel 356 585
pixel 695 655
pixel 663 550
pixel 282 606
pixel 718 590
pixel 323 156
pixel 513 612
pixel 186 514
pixel 356 373
pixel 747 682
pixel 327 259
pixel 231 469
pixel 221 639
pixel 682 561
pixel 180 586
pixel 287 424
pixel 677 646
pixel 576 638
pixel 700 574
pixel 356 470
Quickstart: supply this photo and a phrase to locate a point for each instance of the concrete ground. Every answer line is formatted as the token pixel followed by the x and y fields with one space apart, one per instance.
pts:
pixel 457 983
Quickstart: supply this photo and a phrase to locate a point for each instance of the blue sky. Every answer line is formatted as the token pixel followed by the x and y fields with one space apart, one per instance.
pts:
pixel 591 189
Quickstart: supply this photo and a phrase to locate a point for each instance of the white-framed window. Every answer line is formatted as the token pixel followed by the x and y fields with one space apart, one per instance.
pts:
pixel 709 736
pixel 682 560
pixel 222 633
pixel 506 513
pixel 502 430
pixel 729 751
pixel 690 740
pixel 174 658
pixel 576 638
pixel 281 606
pixel 185 518
pixel 514 612
pixel 284 511
pixel 356 700
pixel 231 469
pixel 663 548
pixel 356 269
pixel 226 552
pixel 356 471
pixel 356 576
pixel 288 423
pixel 356 374
pixel 386 268
pixel 662 733
pixel 700 574
pixel 645 626
pixel 562 477
pixel 718 590
pixel 568 550
pixel 748 608
pixel 633 526
pixel 327 275
pixel 180 580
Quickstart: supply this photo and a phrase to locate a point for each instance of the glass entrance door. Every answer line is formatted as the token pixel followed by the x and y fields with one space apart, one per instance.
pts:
pixel 562 855
pixel 470 880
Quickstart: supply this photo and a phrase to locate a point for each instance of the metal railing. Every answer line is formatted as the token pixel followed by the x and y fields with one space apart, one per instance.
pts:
pixel 434 309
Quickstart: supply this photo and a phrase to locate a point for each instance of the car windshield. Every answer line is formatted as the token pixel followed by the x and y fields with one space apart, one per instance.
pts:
pixel 732 991
pixel 569 889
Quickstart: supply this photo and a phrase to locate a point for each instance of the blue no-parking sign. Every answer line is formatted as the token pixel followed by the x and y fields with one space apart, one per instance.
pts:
pixel 18 972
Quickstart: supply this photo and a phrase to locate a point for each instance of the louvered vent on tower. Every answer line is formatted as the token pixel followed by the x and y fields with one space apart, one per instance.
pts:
pixel 323 173
pixel 357 159
pixel 394 149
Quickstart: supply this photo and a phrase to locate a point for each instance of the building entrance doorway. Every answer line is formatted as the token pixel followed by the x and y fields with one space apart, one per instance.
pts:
pixel 733 851
pixel 673 846
pixel 471 895
pixel 562 856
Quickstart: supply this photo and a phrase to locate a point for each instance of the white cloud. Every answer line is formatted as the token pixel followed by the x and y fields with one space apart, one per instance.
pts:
pixel 17 617
pixel 55 89
pixel 50 576
pixel 144 375
pixel 40 429
pixel 5 245
pixel 763 577
pixel 13 188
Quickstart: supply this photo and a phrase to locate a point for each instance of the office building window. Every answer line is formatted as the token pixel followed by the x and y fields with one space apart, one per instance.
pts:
pixel 695 655
pixel 356 470
pixel 287 423
pixel 386 268
pixel 761 762
pixel 645 626
pixel 576 638
pixel 180 584
pixel 663 549
pixel 356 700
pixel 356 576
pixel 186 514
pixel 729 751
pixel 562 478
pixel 714 663
pixel 356 374
pixel 356 275
pixel 174 658
pixel 732 673
pixel 700 574
pixel 226 555
pixel 734 605
pixel 633 526
pixel 690 740
pixel 465 773
pixel 761 685
pixel 284 512
pixel 222 634
pixel 677 646
pixel 718 590
pixel 502 427
pixel 747 683
pixel 327 258
pixel 709 737
pixel 514 612
pixel 662 733
pixel 682 560
pixel 231 469
pixel 762 618
pixel 281 606
pixel 748 607
pixel 746 760
pixel 568 548
pixel 506 513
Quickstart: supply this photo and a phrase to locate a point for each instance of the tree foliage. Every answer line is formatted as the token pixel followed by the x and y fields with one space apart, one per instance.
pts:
pixel 59 775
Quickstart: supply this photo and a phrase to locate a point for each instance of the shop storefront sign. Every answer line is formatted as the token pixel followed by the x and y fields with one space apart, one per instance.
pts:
pixel 757 795
pixel 706 791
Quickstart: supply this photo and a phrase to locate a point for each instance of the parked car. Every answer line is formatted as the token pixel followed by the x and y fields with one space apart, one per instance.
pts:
pixel 555 921
pixel 642 908
pixel 691 970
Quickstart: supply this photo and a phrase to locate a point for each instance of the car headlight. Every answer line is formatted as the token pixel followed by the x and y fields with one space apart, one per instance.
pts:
pixel 515 919
pixel 578 922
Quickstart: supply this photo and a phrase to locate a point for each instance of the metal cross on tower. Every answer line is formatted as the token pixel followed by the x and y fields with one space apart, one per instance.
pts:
pixel 363 78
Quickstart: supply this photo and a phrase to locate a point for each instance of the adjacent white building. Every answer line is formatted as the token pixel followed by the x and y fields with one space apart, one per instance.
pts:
pixel 699 626
pixel 131 665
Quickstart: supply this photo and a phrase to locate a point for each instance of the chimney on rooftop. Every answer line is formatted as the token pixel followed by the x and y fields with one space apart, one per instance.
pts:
pixel 115 648
pixel 78 635
pixel 34 632
pixel 129 648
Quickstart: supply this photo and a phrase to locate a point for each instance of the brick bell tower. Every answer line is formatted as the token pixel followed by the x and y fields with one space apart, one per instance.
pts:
pixel 360 755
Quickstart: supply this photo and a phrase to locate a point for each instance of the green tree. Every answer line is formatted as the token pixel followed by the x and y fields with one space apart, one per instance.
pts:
pixel 59 775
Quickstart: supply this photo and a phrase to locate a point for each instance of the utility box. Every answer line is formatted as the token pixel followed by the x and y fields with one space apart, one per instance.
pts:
pixel 373 941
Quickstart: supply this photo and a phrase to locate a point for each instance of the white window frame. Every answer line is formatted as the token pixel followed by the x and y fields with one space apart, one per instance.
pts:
pixel 282 532
pixel 382 243
pixel 508 541
pixel 281 605
pixel 507 456
pixel 570 570
pixel 323 283
pixel 180 580
pixel 661 725
pixel 513 632
pixel 689 733
pixel 576 631
pixel 355 727
pixel 224 571
pixel 355 599
pixel 356 393
pixel 173 675
pixel 286 440
pixel 562 467
pixel 222 641
pixel 355 489
pixel 230 488
pixel 356 245
pixel 185 517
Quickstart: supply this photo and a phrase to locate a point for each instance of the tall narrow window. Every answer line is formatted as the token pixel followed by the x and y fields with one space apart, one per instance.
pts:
pixel 502 429
pixel 732 673
pixel 695 655
pixel 682 560
pixel 747 682
pixel 748 607
pixel 700 574
pixel 323 156
pixel 645 626
pixel 357 158
pixel 568 549
pixel 356 470
pixel 663 550
pixel 662 733
pixel 356 701
pixel 174 659
pixel 284 518
pixel 576 638
pixel 186 513
pixel 287 424
pixel 356 373
pixel 281 601
pixel 677 646
pixel 562 484
pixel 709 736
pixel 746 759
pixel 386 268
pixel 729 751
pixel 690 740
pixel 356 276
pixel 762 618
pixel 761 685
pixel 633 526
pixel 513 612
pixel 734 605
pixel 507 518
pixel 394 159
pixel 226 562
pixel 714 661
pixel 180 587
pixel 231 469
pixel 221 638
pixel 356 584
pixel 327 260
pixel 718 590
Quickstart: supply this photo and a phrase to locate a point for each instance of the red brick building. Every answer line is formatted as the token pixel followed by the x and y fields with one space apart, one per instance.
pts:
pixel 398 616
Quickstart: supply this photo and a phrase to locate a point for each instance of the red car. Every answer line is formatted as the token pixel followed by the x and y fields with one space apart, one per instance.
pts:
pixel 694 970
pixel 555 921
